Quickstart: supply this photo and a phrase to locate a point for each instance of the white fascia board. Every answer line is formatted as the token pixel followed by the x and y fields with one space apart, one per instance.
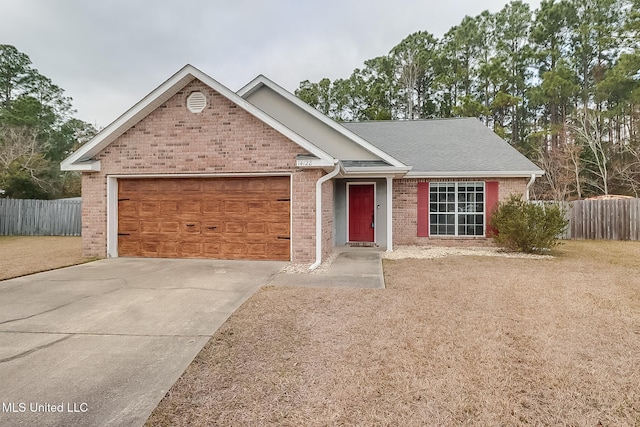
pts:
pixel 165 91
pixel 262 80
pixel 475 174
pixel 87 166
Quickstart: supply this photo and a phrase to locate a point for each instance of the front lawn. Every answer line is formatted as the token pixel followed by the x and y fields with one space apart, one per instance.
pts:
pixel 20 255
pixel 462 340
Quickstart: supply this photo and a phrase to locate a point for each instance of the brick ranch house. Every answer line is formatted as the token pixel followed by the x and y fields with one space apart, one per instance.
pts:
pixel 196 170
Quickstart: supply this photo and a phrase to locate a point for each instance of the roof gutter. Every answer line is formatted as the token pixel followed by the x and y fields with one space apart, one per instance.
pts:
pixel 474 174
pixel 319 183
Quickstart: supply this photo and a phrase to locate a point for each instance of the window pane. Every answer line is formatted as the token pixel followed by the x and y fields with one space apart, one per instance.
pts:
pixel 456 208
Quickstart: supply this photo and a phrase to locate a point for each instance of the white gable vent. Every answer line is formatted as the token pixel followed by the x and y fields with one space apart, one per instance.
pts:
pixel 196 102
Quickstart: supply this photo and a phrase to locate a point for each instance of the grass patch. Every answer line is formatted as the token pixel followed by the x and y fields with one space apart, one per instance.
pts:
pixel 451 341
pixel 22 255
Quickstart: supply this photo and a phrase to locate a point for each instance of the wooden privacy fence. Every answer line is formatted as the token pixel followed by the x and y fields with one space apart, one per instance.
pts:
pixel 24 217
pixel 602 219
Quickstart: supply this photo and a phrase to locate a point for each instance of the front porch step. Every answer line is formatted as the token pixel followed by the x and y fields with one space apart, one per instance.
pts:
pixel 362 244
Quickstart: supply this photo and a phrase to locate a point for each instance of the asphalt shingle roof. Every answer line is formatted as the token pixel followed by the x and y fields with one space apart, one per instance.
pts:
pixel 444 145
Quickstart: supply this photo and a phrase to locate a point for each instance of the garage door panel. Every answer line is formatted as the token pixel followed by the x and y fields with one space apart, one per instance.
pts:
pixel 213 186
pixel 211 206
pixel 212 228
pixel 279 248
pixel 131 226
pixel 280 184
pixel 234 227
pixel 278 229
pixel 190 227
pixel 234 249
pixel 234 206
pixel 190 185
pixel 190 249
pixel 226 218
pixel 256 228
pixel 190 206
pixel 169 250
pixel 169 227
pixel 128 245
pixel 149 227
pixel 150 249
pixel 257 249
pixel 279 206
pixel 168 207
pixel 257 185
pixel 128 185
pixel 128 207
pixel 235 185
pixel 213 249
pixel 257 206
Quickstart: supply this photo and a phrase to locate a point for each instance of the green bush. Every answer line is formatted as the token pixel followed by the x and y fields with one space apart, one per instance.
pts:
pixel 527 227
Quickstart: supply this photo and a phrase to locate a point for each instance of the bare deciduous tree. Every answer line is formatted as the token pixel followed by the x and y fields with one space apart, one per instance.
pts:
pixel 591 132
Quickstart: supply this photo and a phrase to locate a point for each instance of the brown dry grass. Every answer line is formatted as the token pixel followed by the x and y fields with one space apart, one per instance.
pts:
pixel 452 341
pixel 21 255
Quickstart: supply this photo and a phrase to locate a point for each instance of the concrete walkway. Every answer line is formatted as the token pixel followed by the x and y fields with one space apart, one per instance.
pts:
pixel 101 343
pixel 352 268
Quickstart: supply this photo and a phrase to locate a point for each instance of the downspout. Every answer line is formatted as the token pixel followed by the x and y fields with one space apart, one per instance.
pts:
pixel 319 183
pixel 529 184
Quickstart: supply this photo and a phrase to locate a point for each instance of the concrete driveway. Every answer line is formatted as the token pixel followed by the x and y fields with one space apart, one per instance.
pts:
pixel 101 343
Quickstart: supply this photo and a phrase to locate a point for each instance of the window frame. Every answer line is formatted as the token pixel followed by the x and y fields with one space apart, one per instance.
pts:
pixel 457 213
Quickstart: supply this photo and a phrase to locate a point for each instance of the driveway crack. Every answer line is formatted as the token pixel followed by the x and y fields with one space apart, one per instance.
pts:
pixel 33 350
pixel 59 307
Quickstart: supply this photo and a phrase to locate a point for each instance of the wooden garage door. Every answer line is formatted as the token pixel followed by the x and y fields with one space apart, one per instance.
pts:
pixel 225 218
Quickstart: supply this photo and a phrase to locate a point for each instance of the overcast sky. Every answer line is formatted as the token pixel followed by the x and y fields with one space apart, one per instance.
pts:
pixel 108 54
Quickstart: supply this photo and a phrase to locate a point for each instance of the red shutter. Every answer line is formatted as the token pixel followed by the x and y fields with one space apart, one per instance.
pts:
pixel 423 209
pixel 491 190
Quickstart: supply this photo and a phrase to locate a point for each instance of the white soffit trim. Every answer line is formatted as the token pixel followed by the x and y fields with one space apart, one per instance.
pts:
pixel 160 95
pixel 475 174
pixel 261 80
pixel 88 166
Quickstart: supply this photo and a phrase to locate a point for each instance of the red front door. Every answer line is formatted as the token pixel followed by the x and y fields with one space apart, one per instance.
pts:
pixel 361 209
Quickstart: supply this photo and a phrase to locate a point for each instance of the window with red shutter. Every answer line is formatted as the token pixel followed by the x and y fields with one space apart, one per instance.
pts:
pixel 454 209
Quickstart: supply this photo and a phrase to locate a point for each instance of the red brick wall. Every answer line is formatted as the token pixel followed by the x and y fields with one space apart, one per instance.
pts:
pixel 405 202
pixel 303 204
pixel 222 139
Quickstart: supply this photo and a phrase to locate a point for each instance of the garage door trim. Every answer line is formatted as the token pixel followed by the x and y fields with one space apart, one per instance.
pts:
pixel 112 200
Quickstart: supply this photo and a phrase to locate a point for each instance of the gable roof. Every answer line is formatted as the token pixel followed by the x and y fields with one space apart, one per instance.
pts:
pixel 260 81
pixel 81 159
pixel 460 147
